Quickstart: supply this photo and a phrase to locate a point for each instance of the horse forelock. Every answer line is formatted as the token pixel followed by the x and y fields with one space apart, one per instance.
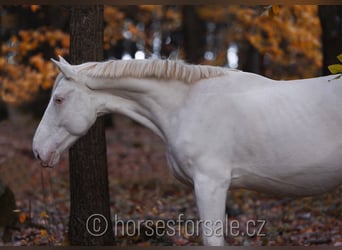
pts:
pixel 150 68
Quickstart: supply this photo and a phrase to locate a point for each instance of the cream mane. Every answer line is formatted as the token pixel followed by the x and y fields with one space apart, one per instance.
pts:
pixel 151 68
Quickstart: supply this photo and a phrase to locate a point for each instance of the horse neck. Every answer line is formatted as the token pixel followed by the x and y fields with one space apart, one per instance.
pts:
pixel 151 102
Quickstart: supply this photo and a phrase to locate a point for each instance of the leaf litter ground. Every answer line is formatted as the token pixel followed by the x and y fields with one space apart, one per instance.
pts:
pixel 143 190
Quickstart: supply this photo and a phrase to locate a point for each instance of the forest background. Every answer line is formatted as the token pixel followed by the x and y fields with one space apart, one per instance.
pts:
pixel 280 42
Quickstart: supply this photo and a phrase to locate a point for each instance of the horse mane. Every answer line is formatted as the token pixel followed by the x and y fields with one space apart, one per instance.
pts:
pixel 150 68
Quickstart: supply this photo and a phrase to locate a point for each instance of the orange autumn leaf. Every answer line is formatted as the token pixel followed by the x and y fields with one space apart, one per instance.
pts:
pixel 133 29
pixel 22 217
pixel 43 233
pixel 276 9
pixel 43 215
pixel 34 8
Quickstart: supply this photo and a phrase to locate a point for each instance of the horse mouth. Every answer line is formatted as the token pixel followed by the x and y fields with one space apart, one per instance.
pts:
pixel 51 162
pixel 45 165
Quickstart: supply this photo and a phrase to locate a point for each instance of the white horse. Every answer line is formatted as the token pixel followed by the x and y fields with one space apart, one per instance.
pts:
pixel 222 128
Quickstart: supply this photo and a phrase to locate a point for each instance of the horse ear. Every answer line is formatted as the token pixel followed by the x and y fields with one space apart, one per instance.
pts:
pixel 62 60
pixel 65 68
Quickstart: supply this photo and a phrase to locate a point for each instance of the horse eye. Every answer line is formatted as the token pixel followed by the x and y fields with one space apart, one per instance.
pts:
pixel 58 100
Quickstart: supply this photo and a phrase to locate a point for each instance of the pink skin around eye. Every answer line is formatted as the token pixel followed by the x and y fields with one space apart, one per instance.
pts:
pixel 58 100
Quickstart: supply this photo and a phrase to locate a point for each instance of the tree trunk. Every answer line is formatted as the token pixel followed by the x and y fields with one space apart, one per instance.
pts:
pixel 194 32
pixel 250 60
pixel 331 22
pixel 89 192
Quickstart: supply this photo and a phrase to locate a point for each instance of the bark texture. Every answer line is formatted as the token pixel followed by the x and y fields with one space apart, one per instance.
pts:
pixel 89 192
pixel 331 22
pixel 194 32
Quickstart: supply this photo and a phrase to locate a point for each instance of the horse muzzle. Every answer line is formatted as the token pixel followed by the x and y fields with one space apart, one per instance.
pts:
pixel 47 162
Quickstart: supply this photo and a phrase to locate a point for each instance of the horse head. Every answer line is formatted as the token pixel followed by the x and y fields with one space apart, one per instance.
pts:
pixel 69 115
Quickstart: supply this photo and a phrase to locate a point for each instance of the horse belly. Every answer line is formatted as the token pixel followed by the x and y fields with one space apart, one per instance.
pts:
pixel 290 180
pixel 295 152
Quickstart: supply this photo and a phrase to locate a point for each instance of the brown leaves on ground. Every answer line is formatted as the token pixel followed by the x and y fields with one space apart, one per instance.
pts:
pixel 143 190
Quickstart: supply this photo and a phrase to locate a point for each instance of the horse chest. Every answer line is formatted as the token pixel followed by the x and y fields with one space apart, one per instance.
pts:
pixel 180 167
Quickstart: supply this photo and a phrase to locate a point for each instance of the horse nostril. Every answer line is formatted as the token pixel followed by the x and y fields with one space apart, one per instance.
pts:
pixel 36 154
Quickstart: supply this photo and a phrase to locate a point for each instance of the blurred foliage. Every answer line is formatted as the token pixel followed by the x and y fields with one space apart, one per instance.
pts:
pixel 336 68
pixel 287 39
pixel 26 69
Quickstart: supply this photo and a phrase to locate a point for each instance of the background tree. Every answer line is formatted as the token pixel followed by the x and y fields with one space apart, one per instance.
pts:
pixel 194 32
pixel 87 158
pixel 331 22
pixel 7 215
